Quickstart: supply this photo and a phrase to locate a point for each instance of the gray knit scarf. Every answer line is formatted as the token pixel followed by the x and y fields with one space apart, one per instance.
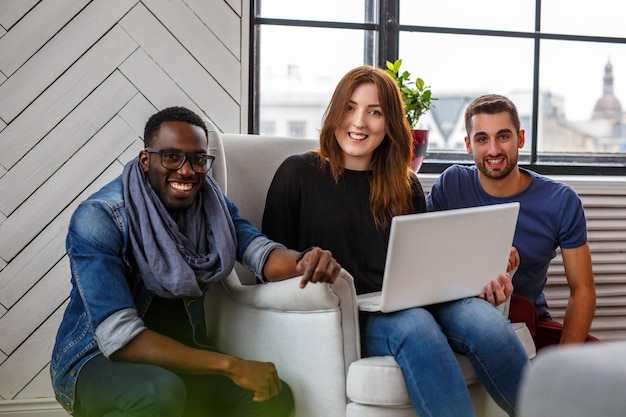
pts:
pixel 178 258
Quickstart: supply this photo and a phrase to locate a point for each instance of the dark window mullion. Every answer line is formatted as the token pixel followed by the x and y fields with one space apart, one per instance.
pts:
pixel 389 31
pixel 535 120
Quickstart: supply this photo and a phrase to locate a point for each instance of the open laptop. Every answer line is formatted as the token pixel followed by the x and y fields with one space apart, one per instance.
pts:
pixel 442 256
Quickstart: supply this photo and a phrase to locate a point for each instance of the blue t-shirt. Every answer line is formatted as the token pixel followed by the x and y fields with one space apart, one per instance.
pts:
pixel 551 215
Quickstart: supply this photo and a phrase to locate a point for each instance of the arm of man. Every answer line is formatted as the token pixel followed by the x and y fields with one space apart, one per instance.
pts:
pixel 153 348
pixel 582 300
pixel 315 265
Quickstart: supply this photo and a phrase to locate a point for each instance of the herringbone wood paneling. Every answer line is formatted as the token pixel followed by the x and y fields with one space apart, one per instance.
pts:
pixel 78 80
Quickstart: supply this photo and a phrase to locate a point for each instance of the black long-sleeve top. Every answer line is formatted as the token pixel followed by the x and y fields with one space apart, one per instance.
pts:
pixel 306 207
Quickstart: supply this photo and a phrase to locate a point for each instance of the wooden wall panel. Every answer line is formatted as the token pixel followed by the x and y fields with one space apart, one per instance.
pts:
pixel 13 10
pixel 77 83
pixel 78 80
pixel 236 5
pixel 225 25
pixel 182 67
pixel 34 30
pixel 205 47
pixel 34 307
pixel 154 83
pixel 64 140
pixel 58 54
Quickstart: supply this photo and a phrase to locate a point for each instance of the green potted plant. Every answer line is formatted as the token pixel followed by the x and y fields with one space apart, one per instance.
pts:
pixel 417 101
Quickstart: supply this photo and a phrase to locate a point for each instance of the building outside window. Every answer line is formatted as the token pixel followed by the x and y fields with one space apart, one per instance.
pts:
pixel 562 62
pixel 296 129
pixel 267 127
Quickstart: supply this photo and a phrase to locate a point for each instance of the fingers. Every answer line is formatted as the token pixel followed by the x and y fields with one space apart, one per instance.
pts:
pixel 498 290
pixel 514 259
pixel 318 265
pixel 272 389
pixel 259 377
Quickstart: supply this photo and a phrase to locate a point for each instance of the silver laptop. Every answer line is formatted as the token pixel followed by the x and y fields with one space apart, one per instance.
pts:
pixel 442 256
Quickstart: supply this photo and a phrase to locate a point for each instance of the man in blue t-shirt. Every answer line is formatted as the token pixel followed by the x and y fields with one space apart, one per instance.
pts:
pixel 551 216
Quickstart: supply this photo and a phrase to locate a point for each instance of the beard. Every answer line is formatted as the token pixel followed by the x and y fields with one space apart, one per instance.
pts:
pixel 499 173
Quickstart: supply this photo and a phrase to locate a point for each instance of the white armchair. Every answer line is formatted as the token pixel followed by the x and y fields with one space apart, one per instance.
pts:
pixel 311 334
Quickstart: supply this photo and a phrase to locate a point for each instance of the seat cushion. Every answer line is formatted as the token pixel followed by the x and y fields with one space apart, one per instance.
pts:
pixel 378 380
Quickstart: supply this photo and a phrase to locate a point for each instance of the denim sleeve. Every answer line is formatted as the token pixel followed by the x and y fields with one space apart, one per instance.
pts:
pixel 253 247
pixel 95 246
pixel 256 254
pixel 118 329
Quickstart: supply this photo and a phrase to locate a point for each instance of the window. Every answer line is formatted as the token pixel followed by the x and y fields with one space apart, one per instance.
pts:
pixel 267 127
pixel 563 64
pixel 296 129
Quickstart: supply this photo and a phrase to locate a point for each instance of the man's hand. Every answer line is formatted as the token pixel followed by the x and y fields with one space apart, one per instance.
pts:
pixel 498 290
pixel 317 265
pixel 259 377
pixel 314 264
pixel 514 260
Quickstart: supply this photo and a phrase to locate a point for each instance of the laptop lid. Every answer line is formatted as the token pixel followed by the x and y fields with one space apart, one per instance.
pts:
pixel 446 255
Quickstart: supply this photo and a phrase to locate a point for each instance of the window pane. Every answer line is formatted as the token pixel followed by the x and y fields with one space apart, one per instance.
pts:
pixel 474 65
pixel 296 82
pixel 518 15
pixel 583 97
pixel 297 128
pixel 352 11
pixel 581 17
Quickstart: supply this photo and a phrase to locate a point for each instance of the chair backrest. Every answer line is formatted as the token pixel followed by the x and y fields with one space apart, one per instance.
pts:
pixel 218 170
pixel 251 162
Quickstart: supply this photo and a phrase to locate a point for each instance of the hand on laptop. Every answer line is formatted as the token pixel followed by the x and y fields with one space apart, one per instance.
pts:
pixel 514 260
pixel 498 290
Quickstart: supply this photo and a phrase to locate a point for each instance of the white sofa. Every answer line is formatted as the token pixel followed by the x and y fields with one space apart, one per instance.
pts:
pixel 311 334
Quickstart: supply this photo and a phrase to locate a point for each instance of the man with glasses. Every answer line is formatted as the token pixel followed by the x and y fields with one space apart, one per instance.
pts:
pixel 143 251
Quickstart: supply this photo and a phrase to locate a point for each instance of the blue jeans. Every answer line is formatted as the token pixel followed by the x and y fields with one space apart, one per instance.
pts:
pixel 121 389
pixel 423 342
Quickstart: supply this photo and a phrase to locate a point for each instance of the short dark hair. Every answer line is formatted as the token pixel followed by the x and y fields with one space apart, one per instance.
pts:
pixel 491 104
pixel 171 114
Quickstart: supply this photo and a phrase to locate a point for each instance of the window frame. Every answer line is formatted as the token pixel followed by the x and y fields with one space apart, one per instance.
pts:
pixel 385 47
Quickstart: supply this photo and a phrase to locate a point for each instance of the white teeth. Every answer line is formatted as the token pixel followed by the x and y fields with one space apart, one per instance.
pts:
pixel 356 136
pixel 180 186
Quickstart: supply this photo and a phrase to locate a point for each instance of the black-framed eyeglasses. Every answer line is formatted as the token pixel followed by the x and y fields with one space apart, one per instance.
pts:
pixel 172 159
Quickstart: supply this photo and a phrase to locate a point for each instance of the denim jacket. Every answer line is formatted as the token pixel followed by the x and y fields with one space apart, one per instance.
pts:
pixel 108 297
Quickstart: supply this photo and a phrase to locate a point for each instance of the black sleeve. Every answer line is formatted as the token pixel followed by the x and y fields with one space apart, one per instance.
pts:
pixel 282 206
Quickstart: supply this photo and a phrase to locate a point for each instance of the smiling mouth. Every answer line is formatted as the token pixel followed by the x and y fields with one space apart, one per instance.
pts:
pixel 495 161
pixel 357 136
pixel 179 186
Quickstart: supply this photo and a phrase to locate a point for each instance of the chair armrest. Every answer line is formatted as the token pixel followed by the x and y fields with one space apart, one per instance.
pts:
pixel 310 334
pixel 287 295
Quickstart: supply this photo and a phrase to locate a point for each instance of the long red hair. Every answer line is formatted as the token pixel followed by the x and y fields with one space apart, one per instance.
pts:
pixel 390 182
